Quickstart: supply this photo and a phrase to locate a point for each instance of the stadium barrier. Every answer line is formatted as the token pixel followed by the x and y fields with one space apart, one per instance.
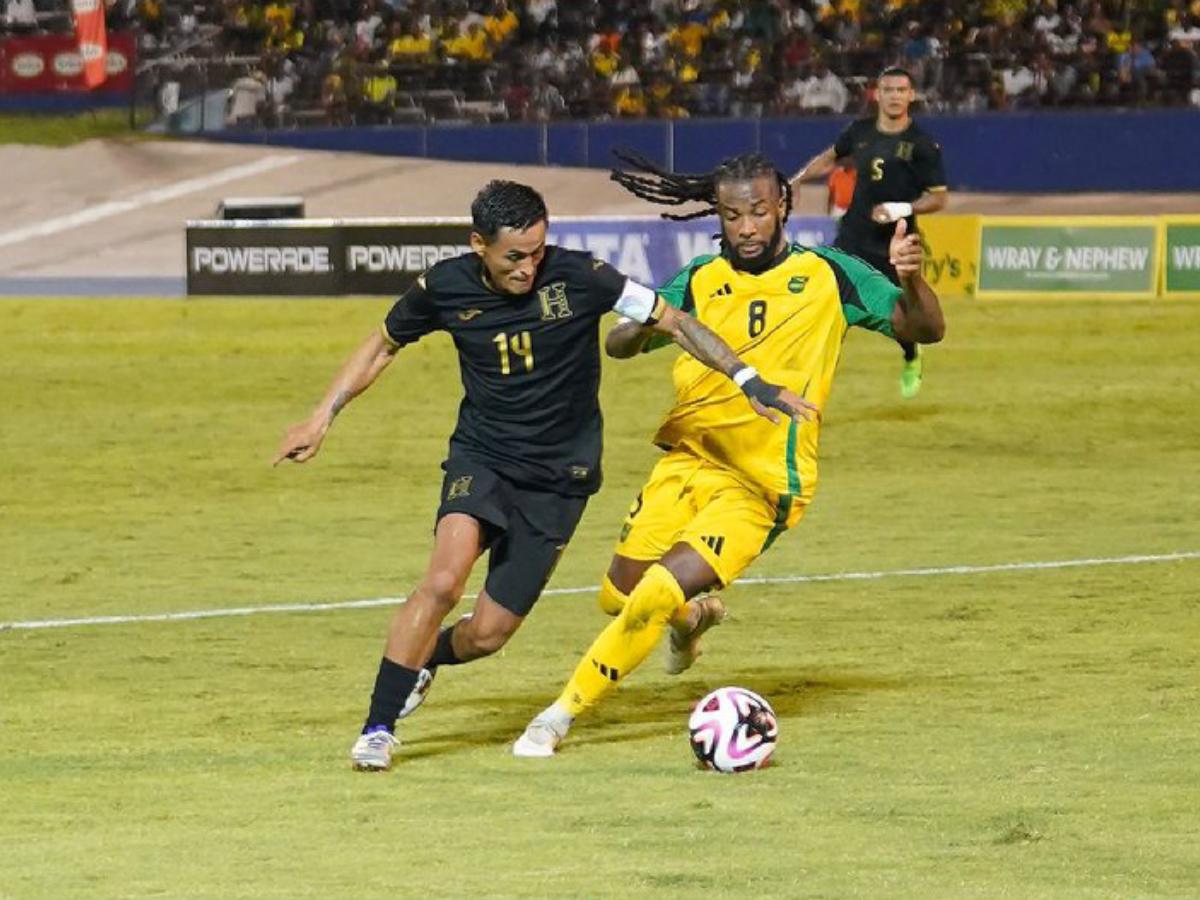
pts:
pixel 1041 152
pixel 989 257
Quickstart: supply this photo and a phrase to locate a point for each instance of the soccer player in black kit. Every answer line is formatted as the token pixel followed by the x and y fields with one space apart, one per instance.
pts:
pixel 525 454
pixel 899 175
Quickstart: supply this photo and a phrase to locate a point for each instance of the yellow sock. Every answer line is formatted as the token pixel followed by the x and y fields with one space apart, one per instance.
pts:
pixel 612 599
pixel 626 642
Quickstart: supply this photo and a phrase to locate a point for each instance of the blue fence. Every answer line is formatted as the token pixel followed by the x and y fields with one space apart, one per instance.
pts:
pixel 1059 151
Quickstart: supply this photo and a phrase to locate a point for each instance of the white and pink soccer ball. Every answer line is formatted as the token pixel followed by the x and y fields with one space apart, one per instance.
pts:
pixel 733 730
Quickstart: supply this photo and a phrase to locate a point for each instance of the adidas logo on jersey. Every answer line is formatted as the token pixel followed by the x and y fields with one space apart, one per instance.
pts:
pixel 714 542
pixel 723 291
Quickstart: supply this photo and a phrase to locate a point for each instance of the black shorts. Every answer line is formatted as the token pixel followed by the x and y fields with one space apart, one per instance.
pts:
pixel 869 254
pixel 525 531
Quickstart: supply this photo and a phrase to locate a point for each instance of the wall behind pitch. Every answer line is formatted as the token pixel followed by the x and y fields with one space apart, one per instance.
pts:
pixel 1148 150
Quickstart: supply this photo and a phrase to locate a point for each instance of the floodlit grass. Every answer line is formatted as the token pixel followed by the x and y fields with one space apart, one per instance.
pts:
pixel 1018 734
pixel 64 130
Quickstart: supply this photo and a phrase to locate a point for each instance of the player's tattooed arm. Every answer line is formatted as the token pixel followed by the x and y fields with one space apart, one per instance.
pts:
pixel 707 346
pixel 918 314
pixel 626 339
pixel 303 440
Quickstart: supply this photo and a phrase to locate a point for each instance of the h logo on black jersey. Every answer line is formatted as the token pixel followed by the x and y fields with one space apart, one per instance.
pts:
pixel 715 542
pixel 904 151
pixel 553 298
pixel 723 291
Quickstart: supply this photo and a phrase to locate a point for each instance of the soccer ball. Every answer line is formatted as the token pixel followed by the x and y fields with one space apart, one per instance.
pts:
pixel 733 730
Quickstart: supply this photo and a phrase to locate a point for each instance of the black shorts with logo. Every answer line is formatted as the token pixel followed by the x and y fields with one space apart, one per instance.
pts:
pixel 525 531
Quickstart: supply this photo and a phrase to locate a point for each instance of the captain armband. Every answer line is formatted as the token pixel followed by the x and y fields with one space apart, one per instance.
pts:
pixel 639 303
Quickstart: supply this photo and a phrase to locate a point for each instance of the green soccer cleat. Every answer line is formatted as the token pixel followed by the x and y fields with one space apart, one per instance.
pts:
pixel 910 376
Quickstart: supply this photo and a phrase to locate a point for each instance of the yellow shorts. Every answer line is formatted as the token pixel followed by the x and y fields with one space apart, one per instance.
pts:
pixel 691 500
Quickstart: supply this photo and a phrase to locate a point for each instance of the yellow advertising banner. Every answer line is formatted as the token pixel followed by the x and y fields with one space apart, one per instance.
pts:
pixel 951 253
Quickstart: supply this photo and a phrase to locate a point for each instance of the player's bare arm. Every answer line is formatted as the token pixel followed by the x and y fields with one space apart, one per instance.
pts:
pixel 929 202
pixel 705 345
pixel 918 314
pixel 626 339
pixel 817 167
pixel 303 439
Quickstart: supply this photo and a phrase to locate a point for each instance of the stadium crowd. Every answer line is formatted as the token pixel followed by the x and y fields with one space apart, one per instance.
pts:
pixel 372 61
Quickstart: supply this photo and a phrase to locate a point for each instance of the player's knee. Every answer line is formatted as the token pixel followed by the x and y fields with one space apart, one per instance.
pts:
pixel 612 600
pixel 486 638
pixel 656 598
pixel 443 587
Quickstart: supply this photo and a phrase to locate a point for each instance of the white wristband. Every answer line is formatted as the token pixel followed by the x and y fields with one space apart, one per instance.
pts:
pixel 744 374
pixel 897 211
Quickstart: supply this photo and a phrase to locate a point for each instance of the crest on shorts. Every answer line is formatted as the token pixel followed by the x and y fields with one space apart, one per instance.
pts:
pixel 553 298
pixel 460 487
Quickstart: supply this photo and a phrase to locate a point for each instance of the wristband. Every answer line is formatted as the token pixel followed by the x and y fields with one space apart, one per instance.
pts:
pixel 897 211
pixel 744 374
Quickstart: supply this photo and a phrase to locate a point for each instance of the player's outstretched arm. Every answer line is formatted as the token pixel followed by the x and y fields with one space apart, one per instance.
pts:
pixel 707 346
pixel 918 314
pixel 817 167
pixel 303 439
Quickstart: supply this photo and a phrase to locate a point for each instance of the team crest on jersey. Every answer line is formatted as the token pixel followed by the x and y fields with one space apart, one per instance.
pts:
pixel 553 298
pixel 796 283
pixel 904 150
pixel 460 487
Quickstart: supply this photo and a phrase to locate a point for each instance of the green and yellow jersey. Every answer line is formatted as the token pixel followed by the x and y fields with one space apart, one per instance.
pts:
pixel 789 323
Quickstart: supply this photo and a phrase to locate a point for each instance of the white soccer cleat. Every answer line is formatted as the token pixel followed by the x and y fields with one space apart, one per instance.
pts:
pixel 683 648
pixel 417 695
pixel 372 752
pixel 538 741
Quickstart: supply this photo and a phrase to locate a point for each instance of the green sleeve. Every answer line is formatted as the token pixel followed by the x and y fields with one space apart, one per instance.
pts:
pixel 868 298
pixel 678 293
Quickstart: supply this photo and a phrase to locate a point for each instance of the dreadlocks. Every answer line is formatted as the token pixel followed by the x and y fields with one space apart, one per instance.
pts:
pixel 654 183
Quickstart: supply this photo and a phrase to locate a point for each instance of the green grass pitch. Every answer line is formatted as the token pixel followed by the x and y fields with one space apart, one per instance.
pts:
pixel 1018 734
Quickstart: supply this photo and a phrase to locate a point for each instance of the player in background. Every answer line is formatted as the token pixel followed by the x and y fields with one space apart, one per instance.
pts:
pixel 900 174
pixel 525 454
pixel 730 484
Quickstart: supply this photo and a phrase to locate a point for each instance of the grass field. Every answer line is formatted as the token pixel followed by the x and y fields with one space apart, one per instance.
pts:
pixel 1017 734
pixel 64 130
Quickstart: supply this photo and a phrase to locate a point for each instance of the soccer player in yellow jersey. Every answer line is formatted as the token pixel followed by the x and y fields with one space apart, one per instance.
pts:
pixel 730 482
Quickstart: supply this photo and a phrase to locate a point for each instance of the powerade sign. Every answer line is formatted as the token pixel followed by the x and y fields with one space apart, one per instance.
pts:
pixel 1114 258
pixel 330 258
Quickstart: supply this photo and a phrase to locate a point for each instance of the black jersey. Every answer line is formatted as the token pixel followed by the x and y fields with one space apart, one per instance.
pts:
pixel 891 168
pixel 530 364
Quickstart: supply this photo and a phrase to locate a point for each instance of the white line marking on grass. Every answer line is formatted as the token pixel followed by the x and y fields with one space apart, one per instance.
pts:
pixel 780 579
pixel 146 198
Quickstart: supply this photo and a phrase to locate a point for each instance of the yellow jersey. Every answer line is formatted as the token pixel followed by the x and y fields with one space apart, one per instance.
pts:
pixel 788 322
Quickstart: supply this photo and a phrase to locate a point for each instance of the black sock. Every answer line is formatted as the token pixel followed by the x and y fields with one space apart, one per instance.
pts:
pixel 393 684
pixel 910 350
pixel 443 651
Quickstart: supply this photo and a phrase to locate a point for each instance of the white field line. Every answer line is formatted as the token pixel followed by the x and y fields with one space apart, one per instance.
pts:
pixel 146 198
pixel 782 579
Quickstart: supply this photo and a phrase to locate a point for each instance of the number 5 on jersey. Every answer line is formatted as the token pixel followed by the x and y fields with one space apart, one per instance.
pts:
pixel 519 344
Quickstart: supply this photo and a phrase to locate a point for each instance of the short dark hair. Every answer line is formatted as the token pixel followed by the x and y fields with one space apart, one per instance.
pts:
pixel 506 204
pixel 897 70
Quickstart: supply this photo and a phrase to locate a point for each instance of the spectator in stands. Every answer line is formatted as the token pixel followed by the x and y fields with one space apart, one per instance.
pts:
pixel 247 98
pixel 20 16
pixel 379 89
pixel 1179 71
pixel 1018 81
pixel 1137 70
pixel 824 92
pixel 546 102
pixel 473 47
pixel 541 18
pixel 335 100
pixel 501 24
pixel 410 46
pixel 630 102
